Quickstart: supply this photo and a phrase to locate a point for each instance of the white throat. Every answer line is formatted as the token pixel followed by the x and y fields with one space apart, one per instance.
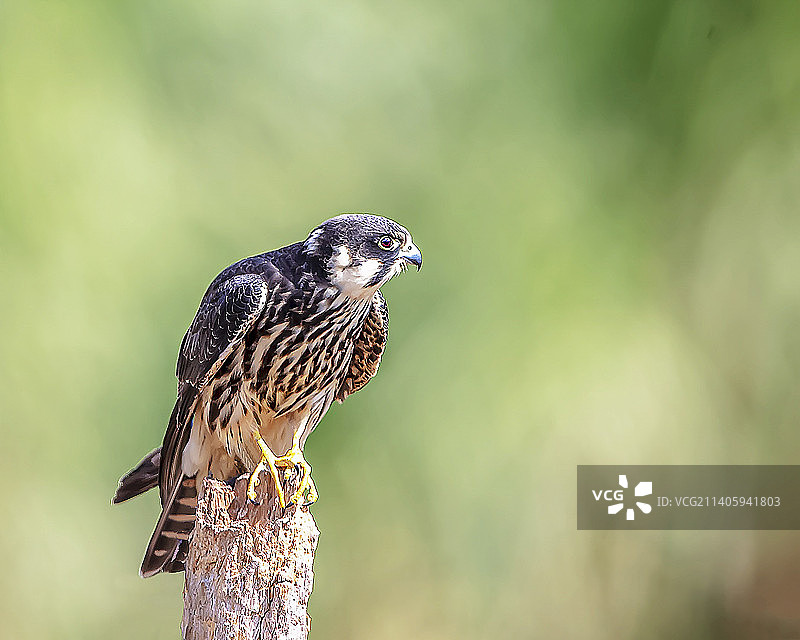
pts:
pixel 352 279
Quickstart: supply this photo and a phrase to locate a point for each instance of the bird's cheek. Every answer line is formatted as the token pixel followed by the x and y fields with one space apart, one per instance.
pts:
pixel 366 271
pixel 355 279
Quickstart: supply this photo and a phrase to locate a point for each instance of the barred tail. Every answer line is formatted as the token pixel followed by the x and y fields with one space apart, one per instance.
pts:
pixel 169 544
pixel 140 479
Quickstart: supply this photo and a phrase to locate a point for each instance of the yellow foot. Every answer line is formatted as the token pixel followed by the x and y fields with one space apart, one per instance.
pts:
pixel 268 460
pixel 294 459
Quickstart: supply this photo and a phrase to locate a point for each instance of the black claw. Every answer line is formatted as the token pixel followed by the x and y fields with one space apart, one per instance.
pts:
pixel 231 482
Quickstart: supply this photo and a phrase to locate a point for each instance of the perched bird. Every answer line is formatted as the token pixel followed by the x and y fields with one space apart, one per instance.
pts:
pixel 277 338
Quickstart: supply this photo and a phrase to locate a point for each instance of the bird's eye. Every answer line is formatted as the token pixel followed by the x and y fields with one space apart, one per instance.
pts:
pixel 386 242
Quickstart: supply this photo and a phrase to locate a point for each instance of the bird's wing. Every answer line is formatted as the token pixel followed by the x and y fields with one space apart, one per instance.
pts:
pixel 223 318
pixel 228 311
pixel 368 349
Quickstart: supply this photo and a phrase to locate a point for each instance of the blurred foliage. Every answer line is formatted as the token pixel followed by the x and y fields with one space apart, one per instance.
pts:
pixel 606 195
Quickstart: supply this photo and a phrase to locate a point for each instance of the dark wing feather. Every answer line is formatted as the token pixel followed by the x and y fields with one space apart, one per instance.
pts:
pixel 143 478
pixel 228 311
pixel 368 349
pixel 225 315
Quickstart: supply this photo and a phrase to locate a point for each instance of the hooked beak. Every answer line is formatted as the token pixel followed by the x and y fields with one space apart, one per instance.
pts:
pixel 412 255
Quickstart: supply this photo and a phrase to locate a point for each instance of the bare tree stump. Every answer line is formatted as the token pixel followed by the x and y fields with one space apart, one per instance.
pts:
pixel 249 573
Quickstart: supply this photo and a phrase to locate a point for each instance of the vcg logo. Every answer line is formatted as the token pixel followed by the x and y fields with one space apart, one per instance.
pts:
pixel 617 497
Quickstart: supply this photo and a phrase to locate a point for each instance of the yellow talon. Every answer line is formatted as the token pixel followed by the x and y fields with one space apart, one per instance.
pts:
pixel 293 459
pixel 268 459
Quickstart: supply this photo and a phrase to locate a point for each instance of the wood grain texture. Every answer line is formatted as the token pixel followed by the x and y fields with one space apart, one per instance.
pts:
pixel 249 573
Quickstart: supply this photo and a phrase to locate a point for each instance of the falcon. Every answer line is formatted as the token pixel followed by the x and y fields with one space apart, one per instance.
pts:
pixel 277 338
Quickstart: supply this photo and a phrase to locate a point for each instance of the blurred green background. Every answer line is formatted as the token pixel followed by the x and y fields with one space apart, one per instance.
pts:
pixel 606 195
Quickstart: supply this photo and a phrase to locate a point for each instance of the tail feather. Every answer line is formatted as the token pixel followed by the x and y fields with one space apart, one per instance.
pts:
pixel 169 544
pixel 140 479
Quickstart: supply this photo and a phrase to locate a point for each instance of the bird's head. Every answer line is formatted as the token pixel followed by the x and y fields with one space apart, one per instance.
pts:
pixel 361 252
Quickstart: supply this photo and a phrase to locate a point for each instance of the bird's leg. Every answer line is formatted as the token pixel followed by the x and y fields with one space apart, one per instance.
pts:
pixel 268 459
pixel 294 458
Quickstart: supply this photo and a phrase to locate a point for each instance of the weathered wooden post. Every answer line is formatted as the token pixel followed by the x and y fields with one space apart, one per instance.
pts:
pixel 249 573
